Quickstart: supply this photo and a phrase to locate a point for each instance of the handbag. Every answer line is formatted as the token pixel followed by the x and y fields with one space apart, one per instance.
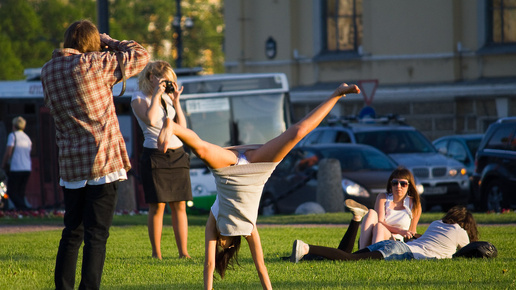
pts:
pixel 7 167
pixel 479 249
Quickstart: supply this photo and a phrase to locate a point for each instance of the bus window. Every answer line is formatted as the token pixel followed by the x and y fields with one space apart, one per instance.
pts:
pixel 210 119
pixel 259 118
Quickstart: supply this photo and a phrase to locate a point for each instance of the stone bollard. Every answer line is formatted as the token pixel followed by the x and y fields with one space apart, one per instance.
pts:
pixel 329 187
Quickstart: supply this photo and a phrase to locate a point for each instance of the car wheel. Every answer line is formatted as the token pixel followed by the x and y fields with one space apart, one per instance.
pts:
pixel 493 197
pixel 268 205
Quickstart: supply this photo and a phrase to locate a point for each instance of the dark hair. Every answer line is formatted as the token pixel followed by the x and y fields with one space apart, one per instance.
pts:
pixel 404 173
pixel 227 256
pixel 462 216
pixel 82 35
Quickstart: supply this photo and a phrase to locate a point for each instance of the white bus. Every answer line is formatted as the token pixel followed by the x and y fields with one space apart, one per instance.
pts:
pixel 224 109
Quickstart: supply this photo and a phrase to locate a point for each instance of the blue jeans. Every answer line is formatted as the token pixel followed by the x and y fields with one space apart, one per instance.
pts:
pixel 88 217
pixel 392 250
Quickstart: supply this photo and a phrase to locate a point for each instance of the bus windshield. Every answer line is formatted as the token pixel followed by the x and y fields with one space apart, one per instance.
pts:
pixel 229 110
pixel 228 121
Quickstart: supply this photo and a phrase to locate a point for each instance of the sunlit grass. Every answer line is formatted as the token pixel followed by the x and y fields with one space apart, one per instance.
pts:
pixel 27 259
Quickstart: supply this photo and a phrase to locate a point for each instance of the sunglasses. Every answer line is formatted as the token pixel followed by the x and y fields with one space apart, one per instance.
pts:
pixel 395 182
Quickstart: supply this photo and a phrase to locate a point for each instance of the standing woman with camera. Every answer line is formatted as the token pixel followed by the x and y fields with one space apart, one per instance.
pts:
pixel 165 176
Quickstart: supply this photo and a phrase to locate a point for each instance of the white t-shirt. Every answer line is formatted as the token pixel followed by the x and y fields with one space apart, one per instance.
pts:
pixel 440 241
pixel 20 160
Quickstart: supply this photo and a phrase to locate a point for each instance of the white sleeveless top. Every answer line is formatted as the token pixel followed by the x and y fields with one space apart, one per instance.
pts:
pixel 398 218
pixel 151 132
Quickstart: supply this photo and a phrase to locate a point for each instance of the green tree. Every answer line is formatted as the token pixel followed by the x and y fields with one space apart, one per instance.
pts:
pixel 32 29
pixel 22 27
pixel 11 67
pixel 147 22
pixel 150 23
pixel 56 16
pixel 203 43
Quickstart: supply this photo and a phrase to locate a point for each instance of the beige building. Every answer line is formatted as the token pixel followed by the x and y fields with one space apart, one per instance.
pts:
pixel 447 66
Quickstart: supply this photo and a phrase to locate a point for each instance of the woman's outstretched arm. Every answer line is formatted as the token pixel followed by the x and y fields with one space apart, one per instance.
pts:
pixel 214 156
pixel 210 247
pixel 255 246
pixel 276 149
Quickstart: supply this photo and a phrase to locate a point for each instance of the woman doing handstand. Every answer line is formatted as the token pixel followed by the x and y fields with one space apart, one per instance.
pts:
pixel 240 173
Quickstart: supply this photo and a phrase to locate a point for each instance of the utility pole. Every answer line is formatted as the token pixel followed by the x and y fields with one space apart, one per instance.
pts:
pixel 103 16
pixel 179 43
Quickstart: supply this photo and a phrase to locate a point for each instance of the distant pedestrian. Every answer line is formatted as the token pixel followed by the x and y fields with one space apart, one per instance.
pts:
pixel 17 163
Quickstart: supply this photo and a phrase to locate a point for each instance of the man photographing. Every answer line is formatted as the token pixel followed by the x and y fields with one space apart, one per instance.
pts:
pixel 77 84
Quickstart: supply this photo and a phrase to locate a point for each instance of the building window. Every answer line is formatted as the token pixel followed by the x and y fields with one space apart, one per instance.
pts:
pixel 343 25
pixel 502 14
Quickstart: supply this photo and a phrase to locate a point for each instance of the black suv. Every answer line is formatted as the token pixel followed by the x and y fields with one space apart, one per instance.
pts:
pixel 445 180
pixel 494 179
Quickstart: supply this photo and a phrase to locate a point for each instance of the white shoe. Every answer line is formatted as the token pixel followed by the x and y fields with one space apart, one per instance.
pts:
pixel 298 251
pixel 357 209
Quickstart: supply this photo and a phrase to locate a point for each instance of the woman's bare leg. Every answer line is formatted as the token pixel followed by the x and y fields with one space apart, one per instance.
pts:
pixel 276 149
pixel 180 225
pixel 214 156
pixel 366 232
pixel 155 227
pixel 381 233
pixel 273 151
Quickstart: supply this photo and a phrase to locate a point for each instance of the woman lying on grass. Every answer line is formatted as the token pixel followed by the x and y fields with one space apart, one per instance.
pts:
pixel 240 173
pixel 440 241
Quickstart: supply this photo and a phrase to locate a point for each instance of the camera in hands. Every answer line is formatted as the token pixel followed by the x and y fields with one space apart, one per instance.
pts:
pixel 169 87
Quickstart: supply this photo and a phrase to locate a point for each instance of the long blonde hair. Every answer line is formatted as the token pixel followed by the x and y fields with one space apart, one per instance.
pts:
pixel 158 68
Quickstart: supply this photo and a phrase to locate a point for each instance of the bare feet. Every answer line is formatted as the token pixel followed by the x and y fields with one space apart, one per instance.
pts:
pixel 165 134
pixel 346 89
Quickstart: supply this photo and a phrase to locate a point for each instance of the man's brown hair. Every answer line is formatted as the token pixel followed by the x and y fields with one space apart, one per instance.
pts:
pixel 82 35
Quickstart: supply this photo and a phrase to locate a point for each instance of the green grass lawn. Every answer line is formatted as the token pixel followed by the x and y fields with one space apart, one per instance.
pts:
pixel 27 259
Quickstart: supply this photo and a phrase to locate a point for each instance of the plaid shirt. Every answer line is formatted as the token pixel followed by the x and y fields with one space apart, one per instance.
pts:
pixel 77 88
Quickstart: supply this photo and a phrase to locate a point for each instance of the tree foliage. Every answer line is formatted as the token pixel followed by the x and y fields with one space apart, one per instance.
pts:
pixel 31 29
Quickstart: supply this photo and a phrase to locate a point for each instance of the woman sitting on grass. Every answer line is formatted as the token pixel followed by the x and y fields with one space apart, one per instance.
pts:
pixel 440 241
pixel 240 173
pixel 396 212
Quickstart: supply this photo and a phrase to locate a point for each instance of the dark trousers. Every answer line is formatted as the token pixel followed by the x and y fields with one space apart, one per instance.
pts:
pixel 16 185
pixel 88 217
pixel 348 240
